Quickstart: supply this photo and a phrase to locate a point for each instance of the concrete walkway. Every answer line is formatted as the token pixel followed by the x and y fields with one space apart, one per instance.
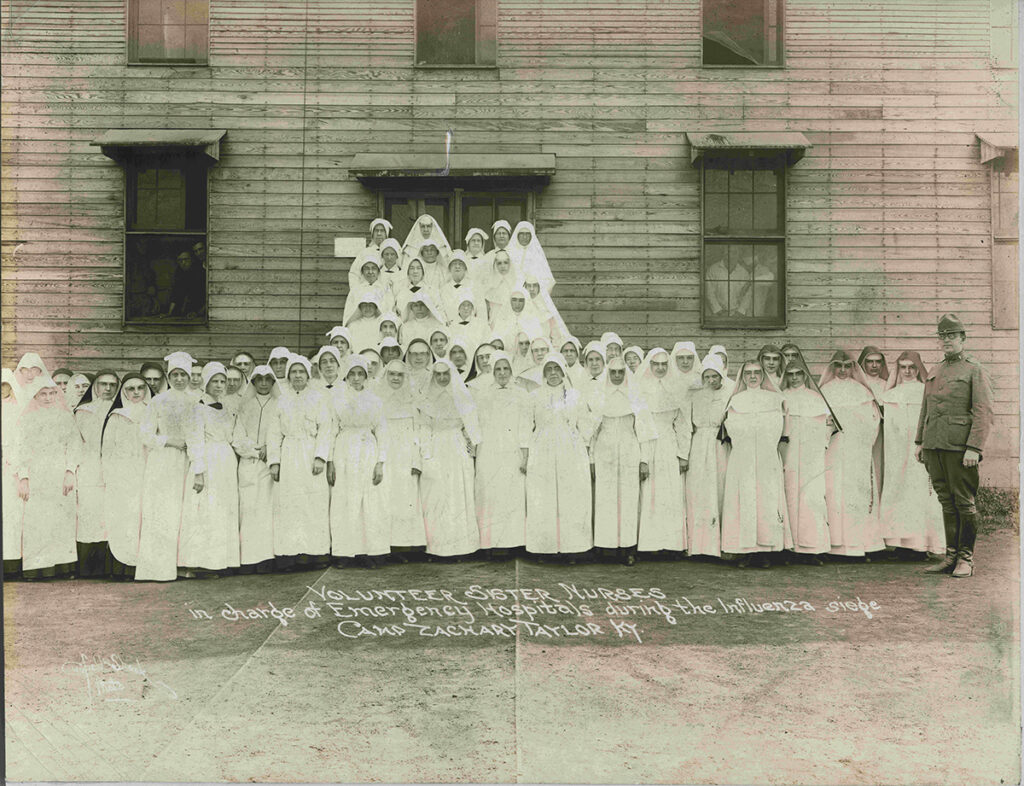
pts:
pixel 684 678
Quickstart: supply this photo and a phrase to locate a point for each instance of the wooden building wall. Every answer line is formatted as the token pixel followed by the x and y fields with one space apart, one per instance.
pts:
pixel 888 214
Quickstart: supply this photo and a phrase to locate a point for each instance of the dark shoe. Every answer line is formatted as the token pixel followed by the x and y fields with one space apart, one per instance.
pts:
pixel 964 565
pixel 946 566
pixel 813 559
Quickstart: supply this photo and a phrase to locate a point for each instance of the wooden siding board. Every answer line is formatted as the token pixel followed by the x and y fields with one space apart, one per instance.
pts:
pixel 888 220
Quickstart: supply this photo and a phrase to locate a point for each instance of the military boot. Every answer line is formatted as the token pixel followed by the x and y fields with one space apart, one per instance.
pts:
pixel 964 564
pixel 947 565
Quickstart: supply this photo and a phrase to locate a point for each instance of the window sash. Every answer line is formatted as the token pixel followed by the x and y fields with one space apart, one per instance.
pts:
pixel 168 32
pixel 430 50
pixel 722 293
pixel 737 44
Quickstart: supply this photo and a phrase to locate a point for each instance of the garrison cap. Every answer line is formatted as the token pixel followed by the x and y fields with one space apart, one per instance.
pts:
pixel 950 323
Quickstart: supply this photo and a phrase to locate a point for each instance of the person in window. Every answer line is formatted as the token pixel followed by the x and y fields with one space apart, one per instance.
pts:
pixel 188 293
pixel 851 492
pixel 172 434
pixel 123 455
pixel 90 415
pixel 663 497
pixel 501 460
pixel 716 281
pixel 199 253
pixel 298 442
pixel 449 434
pixel 809 426
pixel 559 503
pixel 910 513
pixel 255 485
pixel 49 448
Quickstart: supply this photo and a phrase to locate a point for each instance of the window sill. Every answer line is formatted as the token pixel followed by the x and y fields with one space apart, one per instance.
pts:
pixel 742 326
pixel 733 67
pixel 168 64
pixel 455 67
pixel 154 324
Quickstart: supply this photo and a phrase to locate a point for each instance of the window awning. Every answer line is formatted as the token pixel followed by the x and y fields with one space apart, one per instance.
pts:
pixel 792 143
pixel 996 145
pixel 375 168
pixel 119 142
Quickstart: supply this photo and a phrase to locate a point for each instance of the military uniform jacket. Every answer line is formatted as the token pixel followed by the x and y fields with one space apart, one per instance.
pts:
pixel 957 410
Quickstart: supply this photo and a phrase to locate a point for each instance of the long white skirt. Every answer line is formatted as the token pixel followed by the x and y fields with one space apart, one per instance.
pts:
pixel 255 511
pixel 13 514
pixel 357 526
pixel 705 489
pixel 209 524
pixel 850 495
pixel 558 494
pixel 662 497
pixel 616 456
pixel 163 496
pixel 301 523
pixel 910 514
pixel 754 515
pixel 48 537
pixel 400 489
pixel 804 473
pixel 500 497
pixel 91 527
pixel 122 506
pixel 449 513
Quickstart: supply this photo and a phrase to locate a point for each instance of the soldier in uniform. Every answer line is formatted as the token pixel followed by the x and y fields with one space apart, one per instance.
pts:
pixel 956 417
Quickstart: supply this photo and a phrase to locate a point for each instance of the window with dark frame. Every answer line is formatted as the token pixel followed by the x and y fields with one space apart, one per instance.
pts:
pixel 456 32
pixel 742 32
pixel 168 31
pixel 744 241
pixel 165 238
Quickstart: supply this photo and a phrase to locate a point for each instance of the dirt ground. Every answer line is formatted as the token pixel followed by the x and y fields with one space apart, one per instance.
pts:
pixel 131 682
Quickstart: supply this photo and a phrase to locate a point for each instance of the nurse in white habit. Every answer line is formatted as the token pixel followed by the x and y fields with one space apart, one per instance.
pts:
pixel 328 361
pixel 620 457
pixel 684 369
pixel 594 360
pixel 421 319
pixel 476 257
pixel 90 414
pixel 449 434
pixel 419 358
pixel 209 526
pixel 809 426
pixel 49 450
pixel 13 506
pixel 663 497
pixel 709 458
pixel 255 485
pixel 123 454
pixel 380 230
pixel 400 488
pixel 298 443
pixel 911 516
pixel 528 258
pixel 572 350
pixel 558 490
pixel 501 460
pixel 851 494
pixel 355 469
pixel 425 229
pixel 755 520
pixel 171 431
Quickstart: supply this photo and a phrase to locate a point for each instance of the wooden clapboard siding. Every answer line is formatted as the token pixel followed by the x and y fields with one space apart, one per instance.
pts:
pixel 889 212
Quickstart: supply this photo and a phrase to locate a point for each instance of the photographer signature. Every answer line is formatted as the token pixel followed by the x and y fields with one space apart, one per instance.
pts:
pixel 113 678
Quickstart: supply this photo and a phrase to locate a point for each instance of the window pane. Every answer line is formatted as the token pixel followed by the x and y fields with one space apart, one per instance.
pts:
pixel 446 31
pixel 766 263
pixel 479 215
pixel 765 300
pixel 149 11
pixel 715 262
pixel 717 296
pixel 195 43
pixel 766 181
pixel 735 31
pixel 740 262
pixel 174 42
pixel 740 301
pixel 716 214
pixel 716 181
pixel 439 209
pixel 173 12
pixel 741 218
pixel 766 212
pixel 165 269
pixel 197 12
pixel 512 209
pixel 151 42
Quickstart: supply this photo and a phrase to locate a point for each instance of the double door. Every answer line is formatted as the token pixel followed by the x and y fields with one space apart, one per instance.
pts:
pixel 457 211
